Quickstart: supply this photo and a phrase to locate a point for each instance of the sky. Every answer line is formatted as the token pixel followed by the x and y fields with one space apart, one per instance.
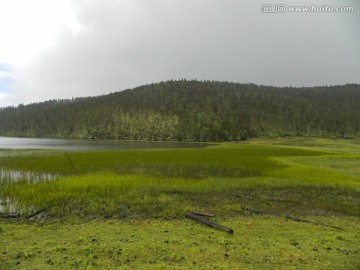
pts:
pixel 55 49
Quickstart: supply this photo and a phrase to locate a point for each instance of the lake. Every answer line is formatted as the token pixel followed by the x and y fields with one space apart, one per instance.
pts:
pixel 71 144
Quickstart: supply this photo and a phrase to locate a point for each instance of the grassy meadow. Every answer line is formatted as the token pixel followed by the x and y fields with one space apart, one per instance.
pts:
pixel 125 209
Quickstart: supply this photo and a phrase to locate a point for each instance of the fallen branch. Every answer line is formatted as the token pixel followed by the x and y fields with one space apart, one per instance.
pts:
pixel 9 215
pixel 203 214
pixel 208 222
pixel 313 222
pixel 72 165
pixel 291 218
pixel 36 213
pixel 256 211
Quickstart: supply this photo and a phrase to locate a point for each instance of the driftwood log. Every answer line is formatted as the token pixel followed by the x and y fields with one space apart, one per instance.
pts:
pixel 208 222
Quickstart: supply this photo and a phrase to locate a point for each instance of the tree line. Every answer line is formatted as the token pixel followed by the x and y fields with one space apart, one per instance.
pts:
pixel 192 111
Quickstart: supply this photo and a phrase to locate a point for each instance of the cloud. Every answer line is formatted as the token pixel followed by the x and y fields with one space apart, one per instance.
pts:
pixel 29 27
pixel 123 44
pixel 6 79
pixel 6 71
pixel 5 75
pixel 5 100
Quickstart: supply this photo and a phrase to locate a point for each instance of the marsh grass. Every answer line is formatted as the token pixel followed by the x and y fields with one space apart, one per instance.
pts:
pixel 347 146
pixel 168 182
pixel 226 160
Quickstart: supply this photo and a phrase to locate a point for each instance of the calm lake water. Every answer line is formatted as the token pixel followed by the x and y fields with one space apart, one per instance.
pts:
pixel 31 143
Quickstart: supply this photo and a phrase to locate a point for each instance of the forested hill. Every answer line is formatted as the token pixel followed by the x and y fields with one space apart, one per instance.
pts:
pixel 192 111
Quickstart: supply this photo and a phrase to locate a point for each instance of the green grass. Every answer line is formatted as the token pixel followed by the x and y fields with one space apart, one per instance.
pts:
pixel 259 242
pixel 244 159
pixel 98 195
pixel 143 182
pixel 347 146
pixel 168 182
pixel 147 192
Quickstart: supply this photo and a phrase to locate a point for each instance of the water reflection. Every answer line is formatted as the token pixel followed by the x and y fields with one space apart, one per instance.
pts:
pixel 7 206
pixel 28 176
pixel 67 144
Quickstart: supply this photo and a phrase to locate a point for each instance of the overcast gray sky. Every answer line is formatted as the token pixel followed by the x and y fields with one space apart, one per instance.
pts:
pixel 63 48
